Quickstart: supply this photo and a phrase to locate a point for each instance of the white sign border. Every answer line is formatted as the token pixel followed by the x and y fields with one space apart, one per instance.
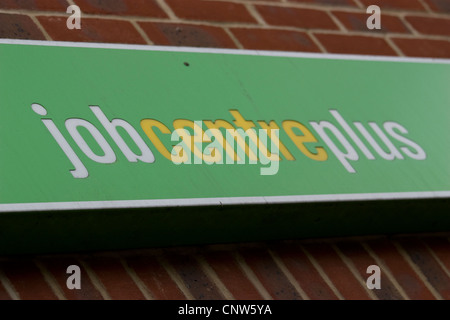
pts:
pixel 191 202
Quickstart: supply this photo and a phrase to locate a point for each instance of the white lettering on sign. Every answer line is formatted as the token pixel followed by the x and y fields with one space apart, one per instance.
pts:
pixel 338 136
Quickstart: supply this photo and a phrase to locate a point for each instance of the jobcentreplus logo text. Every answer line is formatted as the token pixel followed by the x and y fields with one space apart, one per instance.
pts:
pixel 224 143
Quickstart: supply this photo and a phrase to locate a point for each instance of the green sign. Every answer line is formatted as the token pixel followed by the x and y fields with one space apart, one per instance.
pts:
pixel 109 126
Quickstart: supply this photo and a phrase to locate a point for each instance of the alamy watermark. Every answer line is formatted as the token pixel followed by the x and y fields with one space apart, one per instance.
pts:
pixel 374 280
pixel 374 21
pixel 74 280
pixel 74 21
pixel 252 144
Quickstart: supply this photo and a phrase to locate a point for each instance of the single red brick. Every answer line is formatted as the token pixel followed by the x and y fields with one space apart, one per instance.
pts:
pixel 211 11
pixel 198 283
pixel 28 281
pixel 295 17
pixel 341 276
pixel 361 260
pixel 424 47
pixel 414 5
pixel 232 276
pixel 428 265
pixel 147 8
pixel 115 279
pixel 155 278
pixel 304 272
pixel 267 39
pixel 357 22
pixel 17 26
pixel 401 270
pixel 355 44
pixel 92 30
pixel 439 5
pixel 175 34
pixel 270 276
pixel 48 5
pixel 426 25
pixel 329 2
pixel 57 266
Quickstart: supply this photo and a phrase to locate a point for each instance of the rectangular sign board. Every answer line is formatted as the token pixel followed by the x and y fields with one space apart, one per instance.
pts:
pixel 96 126
pixel 90 129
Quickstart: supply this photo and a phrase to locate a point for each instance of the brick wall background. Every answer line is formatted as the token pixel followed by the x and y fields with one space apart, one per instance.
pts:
pixel 419 28
pixel 413 267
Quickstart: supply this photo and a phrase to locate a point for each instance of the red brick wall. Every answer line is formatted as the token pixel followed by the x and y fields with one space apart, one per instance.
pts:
pixel 412 268
pixel 418 28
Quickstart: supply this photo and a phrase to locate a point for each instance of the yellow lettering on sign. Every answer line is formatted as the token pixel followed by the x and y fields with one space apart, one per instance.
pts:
pixel 198 137
pixel 288 125
pixel 147 125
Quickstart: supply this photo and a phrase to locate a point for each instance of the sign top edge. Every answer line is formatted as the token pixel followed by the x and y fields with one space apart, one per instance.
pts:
pixel 291 54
